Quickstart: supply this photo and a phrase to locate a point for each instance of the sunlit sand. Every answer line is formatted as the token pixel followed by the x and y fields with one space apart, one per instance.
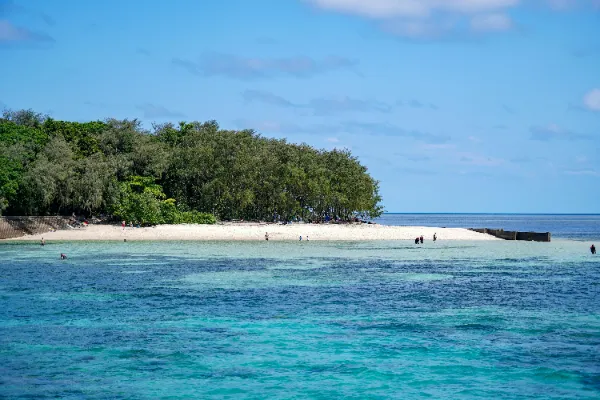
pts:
pixel 256 231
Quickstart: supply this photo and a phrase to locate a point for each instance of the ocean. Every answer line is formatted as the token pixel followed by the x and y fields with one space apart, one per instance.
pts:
pixel 319 320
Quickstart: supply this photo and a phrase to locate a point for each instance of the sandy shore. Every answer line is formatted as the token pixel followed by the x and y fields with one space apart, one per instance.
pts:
pixel 256 231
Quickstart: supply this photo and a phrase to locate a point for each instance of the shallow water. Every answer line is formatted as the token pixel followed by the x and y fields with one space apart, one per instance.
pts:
pixel 179 320
pixel 563 226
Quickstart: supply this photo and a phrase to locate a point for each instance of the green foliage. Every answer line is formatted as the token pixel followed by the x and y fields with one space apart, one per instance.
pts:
pixel 27 118
pixel 142 201
pixel 11 171
pixel 83 136
pixel 170 213
pixel 176 173
pixel 11 134
pixel 195 217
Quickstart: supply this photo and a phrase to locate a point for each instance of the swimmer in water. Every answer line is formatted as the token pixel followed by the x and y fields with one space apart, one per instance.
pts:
pixel 63 256
pixel 43 242
pixel 593 249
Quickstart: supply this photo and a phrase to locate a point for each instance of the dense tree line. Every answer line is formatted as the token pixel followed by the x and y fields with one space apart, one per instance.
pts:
pixel 173 173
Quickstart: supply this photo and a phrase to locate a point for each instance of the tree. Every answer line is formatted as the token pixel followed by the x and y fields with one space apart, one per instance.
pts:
pixel 139 200
pixel 175 173
pixel 48 182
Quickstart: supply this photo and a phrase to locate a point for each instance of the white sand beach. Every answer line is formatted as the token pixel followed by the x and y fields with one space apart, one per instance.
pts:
pixel 256 231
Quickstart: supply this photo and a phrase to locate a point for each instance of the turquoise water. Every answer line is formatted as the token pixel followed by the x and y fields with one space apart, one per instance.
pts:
pixel 173 320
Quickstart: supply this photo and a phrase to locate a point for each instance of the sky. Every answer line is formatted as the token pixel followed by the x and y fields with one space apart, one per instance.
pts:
pixel 453 105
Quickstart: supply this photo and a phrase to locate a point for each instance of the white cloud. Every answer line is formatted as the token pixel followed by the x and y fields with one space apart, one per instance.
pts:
pixel 592 100
pixel 411 8
pixel 427 19
pixel 374 8
pixel 589 172
pixel 491 23
pixel 430 19
pixel 333 140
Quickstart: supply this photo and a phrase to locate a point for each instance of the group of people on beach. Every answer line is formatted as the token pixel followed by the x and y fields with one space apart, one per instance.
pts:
pixel 267 237
pixel 131 224
pixel 419 239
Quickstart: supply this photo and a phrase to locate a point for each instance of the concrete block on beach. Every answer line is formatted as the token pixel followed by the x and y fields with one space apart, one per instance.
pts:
pixel 515 235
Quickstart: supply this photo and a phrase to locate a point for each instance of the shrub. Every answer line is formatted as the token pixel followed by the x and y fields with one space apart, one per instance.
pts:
pixel 141 200
pixel 195 217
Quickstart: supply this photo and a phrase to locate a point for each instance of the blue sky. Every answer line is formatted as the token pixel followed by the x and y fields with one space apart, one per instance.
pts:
pixel 454 105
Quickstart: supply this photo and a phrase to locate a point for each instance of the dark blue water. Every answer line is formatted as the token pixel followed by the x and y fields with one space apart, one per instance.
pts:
pixel 287 320
pixel 564 226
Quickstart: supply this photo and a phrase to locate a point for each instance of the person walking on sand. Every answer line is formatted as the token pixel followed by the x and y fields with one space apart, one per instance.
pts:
pixel 593 249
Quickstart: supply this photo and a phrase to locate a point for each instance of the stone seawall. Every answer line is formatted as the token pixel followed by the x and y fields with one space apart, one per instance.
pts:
pixel 12 227
pixel 516 235
pixel 534 236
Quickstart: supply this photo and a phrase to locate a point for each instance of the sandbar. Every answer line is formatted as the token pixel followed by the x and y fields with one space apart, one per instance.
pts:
pixel 256 231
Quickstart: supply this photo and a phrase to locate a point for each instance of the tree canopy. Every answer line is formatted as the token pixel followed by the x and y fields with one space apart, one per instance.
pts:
pixel 173 173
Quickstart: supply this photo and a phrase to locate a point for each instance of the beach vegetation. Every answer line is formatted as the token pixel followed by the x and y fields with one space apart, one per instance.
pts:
pixel 190 172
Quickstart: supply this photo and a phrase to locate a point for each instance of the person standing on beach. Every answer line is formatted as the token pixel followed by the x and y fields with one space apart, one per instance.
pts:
pixel 421 239
pixel 123 224
pixel 593 249
pixel 434 237
pixel 267 236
